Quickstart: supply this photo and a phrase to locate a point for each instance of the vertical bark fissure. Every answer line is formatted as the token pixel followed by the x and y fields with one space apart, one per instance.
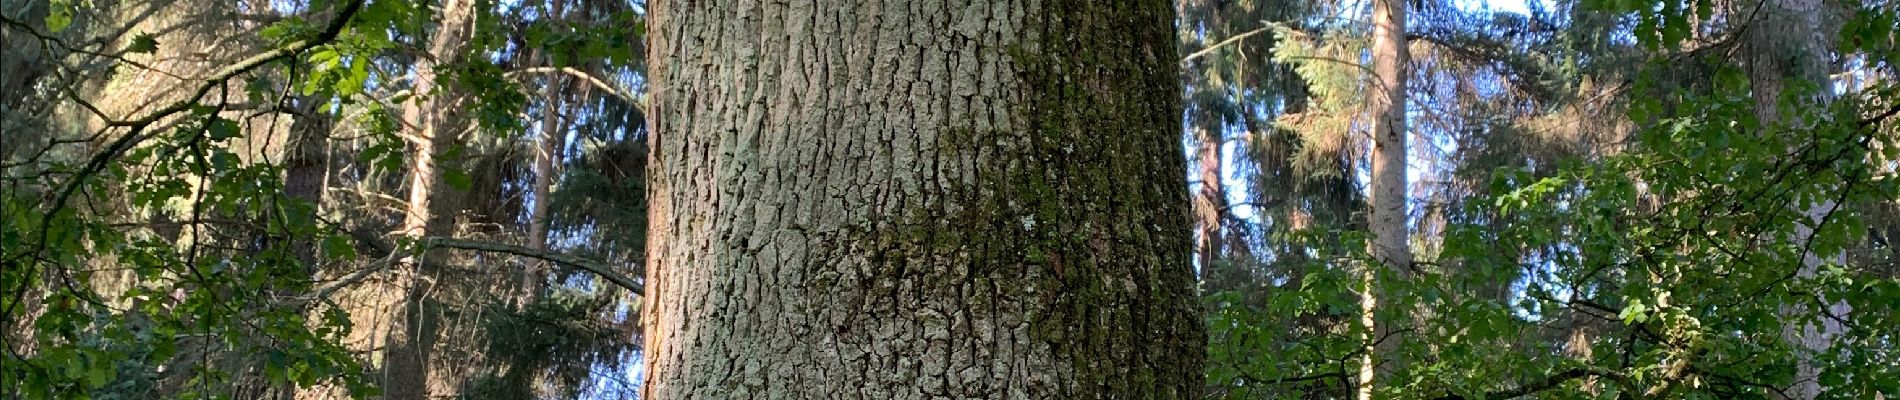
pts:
pixel 909 199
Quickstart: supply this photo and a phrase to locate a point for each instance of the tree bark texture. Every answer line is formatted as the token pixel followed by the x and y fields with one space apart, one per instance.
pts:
pixel 1390 247
pixel 1386 107
pixel 910 199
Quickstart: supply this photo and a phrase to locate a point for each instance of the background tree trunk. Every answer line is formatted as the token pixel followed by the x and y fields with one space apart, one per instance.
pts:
pixel 412 333
pixel 906 199
pixel 1210 205
pixel 1790 45
pixel 1386 106
pixel 546 157
pixel 306 169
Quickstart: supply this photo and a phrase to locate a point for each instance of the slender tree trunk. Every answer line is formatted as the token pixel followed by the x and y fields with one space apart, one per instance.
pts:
pixel 545 158
pixel 412 333
pixel 306 170
pixel 1386 107
pixel 1789 45
pixel 306 173
pixel 909 199
pixel 1210 203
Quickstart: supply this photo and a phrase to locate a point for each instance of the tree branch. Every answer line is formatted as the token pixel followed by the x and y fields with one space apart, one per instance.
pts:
pixel 583 75
pixel 1294 379
pixel 1891 110
pixel 584 264
pixel 1548 383
pixel 595 267
pixel 1230 40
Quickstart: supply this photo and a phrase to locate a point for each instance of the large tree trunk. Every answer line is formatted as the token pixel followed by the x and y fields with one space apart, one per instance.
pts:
pixel 1789 45
pixel 904 199
pixel 1386 107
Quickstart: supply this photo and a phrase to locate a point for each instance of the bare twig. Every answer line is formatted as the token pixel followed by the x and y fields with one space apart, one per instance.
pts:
pixel 610 88
pixel 1548 383
pixel 1230 40
pixel 584 264
pixel 395 257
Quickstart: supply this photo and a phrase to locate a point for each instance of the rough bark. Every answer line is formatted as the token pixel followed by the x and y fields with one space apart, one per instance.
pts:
pixel 908 199
pixel 1386 107
pixel 1789 45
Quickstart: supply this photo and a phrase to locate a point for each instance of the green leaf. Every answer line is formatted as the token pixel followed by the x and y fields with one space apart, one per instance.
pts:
pixel 258 89
pixel 225 161
pixel 458 179
pixel 1832 380
pixel 102 375
pixel 142 44
pixel 338 247
pixel 75 367
pixel 59 16
pixel 1635 313
pixel 352 81
pixel 220 129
